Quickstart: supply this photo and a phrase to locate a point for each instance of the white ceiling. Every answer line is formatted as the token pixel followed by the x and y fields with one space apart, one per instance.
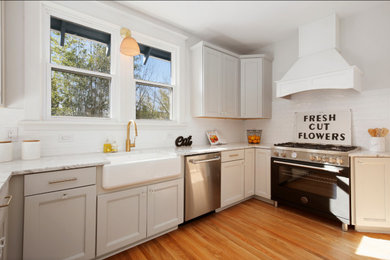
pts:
pixel 244 26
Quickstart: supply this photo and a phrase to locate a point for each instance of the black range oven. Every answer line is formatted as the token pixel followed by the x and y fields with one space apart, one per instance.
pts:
pixel 317 187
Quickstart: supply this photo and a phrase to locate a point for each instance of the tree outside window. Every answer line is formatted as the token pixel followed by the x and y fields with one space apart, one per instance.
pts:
pixel 80 74
pixel 153 84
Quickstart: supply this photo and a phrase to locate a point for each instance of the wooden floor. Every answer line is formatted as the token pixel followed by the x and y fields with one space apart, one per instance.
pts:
pixel 256 230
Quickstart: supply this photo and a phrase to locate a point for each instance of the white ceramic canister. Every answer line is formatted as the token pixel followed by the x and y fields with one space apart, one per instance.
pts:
pixel 31 149
pixel 6 151
pixel 377 144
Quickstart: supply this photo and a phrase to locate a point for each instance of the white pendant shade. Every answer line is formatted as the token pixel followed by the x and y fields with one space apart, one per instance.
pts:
pixel 129 47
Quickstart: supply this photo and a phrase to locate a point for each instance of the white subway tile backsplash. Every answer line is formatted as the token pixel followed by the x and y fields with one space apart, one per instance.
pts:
pixel 370 109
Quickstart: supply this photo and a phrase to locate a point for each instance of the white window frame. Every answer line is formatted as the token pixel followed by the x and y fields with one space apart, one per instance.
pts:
pixel 91 22
pixel 175 102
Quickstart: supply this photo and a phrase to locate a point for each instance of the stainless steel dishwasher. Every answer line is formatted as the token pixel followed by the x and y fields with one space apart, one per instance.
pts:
pixel 202 184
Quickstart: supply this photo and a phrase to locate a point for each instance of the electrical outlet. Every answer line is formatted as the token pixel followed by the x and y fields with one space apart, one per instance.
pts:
pixel 65 138
pixel 12 133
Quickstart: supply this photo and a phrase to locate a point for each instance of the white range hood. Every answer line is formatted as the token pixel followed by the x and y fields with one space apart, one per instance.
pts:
pixel 320 65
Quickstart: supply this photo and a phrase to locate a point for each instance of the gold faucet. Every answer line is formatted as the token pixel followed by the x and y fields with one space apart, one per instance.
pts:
pixel 128 142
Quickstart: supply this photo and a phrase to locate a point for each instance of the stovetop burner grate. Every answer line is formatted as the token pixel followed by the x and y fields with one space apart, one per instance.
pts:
pixel 326 147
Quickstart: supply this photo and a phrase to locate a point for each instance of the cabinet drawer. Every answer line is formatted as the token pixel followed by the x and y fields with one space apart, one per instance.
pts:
pixel 58 180
pixel 232 155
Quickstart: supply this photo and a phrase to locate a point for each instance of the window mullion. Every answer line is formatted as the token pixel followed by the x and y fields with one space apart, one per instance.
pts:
pixel 154 83
pixel 80 71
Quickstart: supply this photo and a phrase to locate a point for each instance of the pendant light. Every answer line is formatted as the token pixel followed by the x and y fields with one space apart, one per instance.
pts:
pixel 129 45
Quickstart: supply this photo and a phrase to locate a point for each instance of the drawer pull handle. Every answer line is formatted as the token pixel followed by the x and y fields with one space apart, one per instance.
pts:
pixel 9 197
pixel 233 155
pixel 65 180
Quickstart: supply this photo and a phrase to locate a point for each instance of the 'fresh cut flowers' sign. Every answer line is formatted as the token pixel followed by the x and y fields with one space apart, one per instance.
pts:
pixel 332 127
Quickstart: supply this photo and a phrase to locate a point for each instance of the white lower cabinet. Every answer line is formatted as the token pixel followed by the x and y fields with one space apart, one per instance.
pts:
pixel 165 206
pixel 249 172
pixel 263 173
pixel 60 225
pixel 121 219
pixel 5 202
pixel 128 216
pixel 372 192
pixel 232 182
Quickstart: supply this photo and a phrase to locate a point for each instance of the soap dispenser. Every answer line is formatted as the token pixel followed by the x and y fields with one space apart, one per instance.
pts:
pixel 107 147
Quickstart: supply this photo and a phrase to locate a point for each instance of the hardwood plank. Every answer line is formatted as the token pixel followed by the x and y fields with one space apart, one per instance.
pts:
pixel 254 230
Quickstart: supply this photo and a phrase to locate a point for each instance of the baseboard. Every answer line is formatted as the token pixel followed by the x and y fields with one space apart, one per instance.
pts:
pixel 135 244
pixel 372 229
pixel 269 201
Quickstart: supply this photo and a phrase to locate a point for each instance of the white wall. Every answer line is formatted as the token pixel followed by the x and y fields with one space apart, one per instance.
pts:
pixel 24 101
pixel 365 42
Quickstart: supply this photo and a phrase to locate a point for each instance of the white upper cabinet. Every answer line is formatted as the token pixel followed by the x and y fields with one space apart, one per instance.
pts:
pixel 230 87
pixel 256 87
pixel 215 78
pixel 212 82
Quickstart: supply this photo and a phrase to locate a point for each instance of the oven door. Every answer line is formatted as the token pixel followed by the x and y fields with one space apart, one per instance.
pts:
pixel 322 188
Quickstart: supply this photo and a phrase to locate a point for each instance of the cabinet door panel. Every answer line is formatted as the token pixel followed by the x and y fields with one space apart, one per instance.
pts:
pixel 60 225
pixel 232 182
pixel 212 82
pixel 230 86
pixel 372 188
pixel 263 173
pixel 250 84
pixel 121 219
pixel 165 206
pixel 249 172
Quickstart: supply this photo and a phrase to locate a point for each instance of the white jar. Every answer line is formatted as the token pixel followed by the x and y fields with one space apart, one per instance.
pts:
pixel 6 151
pixel 378 144
pixel 31 149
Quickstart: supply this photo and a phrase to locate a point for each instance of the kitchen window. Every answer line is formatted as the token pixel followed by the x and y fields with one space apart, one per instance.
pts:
pixel 154 84
pixel 80 71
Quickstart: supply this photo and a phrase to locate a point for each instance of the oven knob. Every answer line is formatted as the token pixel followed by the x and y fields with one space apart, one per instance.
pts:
pixel 276 153
pixel 283 154
pixel 332 160
pixel 312 158
pixel 339 160
pixel 304 200
pixel 319 159
pixel 294 155
pixel 325 159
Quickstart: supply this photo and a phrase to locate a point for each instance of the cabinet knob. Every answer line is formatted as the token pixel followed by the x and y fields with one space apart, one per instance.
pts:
pixel 64 196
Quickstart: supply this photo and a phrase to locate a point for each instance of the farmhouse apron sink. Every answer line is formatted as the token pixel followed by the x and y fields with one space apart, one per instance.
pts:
pixel 136 168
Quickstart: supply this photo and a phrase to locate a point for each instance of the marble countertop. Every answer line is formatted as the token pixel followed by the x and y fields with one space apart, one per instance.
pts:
pixel 51 163
pixel 64 162
pixel 218 148
pixel 367 153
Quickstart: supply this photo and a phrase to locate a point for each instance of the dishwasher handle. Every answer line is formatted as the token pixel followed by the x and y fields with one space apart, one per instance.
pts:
pixel 206 160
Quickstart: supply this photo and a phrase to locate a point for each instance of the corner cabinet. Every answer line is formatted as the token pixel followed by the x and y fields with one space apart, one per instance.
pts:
pixel 372 194
pixel 249 172
pixel 215 79
pixel 256 86
pixel 263 173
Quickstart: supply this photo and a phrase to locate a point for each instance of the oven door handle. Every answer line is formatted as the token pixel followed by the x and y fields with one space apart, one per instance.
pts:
pixel 331 168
